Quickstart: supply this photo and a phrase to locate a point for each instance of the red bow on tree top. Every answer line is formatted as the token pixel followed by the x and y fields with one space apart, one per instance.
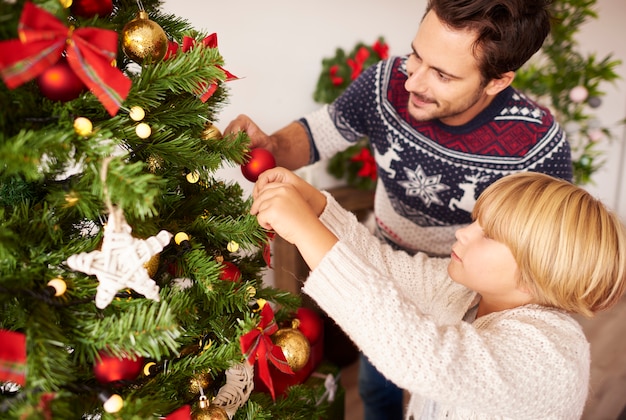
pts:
pixel 258 345
pixel 204 91
pixel 90 53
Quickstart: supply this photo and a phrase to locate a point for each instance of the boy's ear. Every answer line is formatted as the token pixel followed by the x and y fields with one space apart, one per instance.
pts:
pixel 496 86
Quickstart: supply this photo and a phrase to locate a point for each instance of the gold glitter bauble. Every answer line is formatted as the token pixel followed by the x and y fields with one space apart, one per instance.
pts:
pixel 152 265
pixel 199 381
pixel 143 39
pixel 295 346
pixel 211 132
pixel 212 412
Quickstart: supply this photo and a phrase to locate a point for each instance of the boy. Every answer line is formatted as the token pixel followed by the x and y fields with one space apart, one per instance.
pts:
pixel 485 333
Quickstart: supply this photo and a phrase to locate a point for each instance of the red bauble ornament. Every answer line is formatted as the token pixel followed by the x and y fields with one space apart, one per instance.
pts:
pixel 59 82
pixel 230 272
pixel 90 8
pixel 310 324
pixel 260 161
pixel 111 368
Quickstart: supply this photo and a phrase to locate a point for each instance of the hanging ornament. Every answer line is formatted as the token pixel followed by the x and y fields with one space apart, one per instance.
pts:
pixel 310 324
pixel 210 132
pixel 257 346
pixel 578 94
pixel 237 389
pixel 59 82
pixel 91 8
pixel 230 272
pixel 206 411
pixel 58 286
pixel 119 265
pixel 200 381
pixel 259 160
pixel 83 126
pixel 137 113
pixel 143 39
pixel 294 344
pixel 109 368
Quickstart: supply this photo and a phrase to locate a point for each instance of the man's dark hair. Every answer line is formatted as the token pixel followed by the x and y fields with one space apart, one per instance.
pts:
pixel 508 32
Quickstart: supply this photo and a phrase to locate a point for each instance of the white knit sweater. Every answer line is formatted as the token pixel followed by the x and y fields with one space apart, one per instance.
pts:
pixel 405 314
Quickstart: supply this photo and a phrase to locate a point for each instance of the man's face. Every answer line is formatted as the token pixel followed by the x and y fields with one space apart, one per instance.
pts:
pixel 444 79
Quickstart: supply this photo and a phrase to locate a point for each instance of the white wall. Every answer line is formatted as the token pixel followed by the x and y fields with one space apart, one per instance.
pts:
pixel 276 48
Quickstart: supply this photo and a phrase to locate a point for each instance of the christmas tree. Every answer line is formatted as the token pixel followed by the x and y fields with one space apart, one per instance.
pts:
pixel 130 275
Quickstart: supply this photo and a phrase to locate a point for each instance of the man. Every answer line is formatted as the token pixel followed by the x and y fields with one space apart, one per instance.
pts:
pixel 443 124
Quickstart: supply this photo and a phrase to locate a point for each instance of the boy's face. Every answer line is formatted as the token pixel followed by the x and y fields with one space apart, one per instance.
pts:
pixel 444 78
pixel 487 267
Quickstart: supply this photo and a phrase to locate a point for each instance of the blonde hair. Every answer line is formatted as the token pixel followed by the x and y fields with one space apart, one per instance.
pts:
pixel 570 249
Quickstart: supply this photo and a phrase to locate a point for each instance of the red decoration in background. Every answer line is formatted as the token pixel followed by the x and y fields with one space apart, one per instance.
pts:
pixel 369 164
pixel 260 160
pixel 112 368
pixel 336 80
pixel 13 357
pixel 356 64
pixel 90 52
pixel 230 272
pixel 205 90
pixel 310 324
pixel 257 345
pixel 59 82
pixel 381 49
pixel 90 8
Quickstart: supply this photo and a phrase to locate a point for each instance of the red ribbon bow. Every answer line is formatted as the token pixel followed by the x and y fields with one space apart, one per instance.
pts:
pixel 13 357
pixel 90 53
pixel 257 345
pixel 205 91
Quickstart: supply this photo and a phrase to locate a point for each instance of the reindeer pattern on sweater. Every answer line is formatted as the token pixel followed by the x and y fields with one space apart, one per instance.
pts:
pixel 430 174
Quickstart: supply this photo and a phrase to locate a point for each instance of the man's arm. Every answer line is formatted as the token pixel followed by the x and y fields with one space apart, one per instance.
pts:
pixel 289 145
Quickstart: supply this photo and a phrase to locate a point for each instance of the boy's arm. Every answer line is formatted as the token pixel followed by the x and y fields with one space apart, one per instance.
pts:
pixel 285 203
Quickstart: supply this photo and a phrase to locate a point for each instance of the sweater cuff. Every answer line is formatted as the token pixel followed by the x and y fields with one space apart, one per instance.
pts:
pixel 335 217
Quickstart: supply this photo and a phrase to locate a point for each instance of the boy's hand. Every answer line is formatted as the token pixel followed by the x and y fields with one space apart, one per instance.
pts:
pixel 280 205
pixel 311 195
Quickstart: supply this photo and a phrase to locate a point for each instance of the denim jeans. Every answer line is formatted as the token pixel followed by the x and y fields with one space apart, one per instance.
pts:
pixel 382 400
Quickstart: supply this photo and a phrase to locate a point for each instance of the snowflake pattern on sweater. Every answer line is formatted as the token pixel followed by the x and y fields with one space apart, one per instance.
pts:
pixel 431 174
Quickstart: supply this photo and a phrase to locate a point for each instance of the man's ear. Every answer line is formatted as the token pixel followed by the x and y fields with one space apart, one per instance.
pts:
pixel 496 86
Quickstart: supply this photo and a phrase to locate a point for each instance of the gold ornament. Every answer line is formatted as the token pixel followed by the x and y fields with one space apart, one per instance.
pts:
pixel 143 39
pixel 82 126
pixel 200 381
pixel 210 132
pixel 143 130
pixel 211 412
pixel 154 163
pixel 294 344
pixel 152 265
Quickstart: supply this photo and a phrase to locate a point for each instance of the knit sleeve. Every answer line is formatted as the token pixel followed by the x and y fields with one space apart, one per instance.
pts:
pixel 524 363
